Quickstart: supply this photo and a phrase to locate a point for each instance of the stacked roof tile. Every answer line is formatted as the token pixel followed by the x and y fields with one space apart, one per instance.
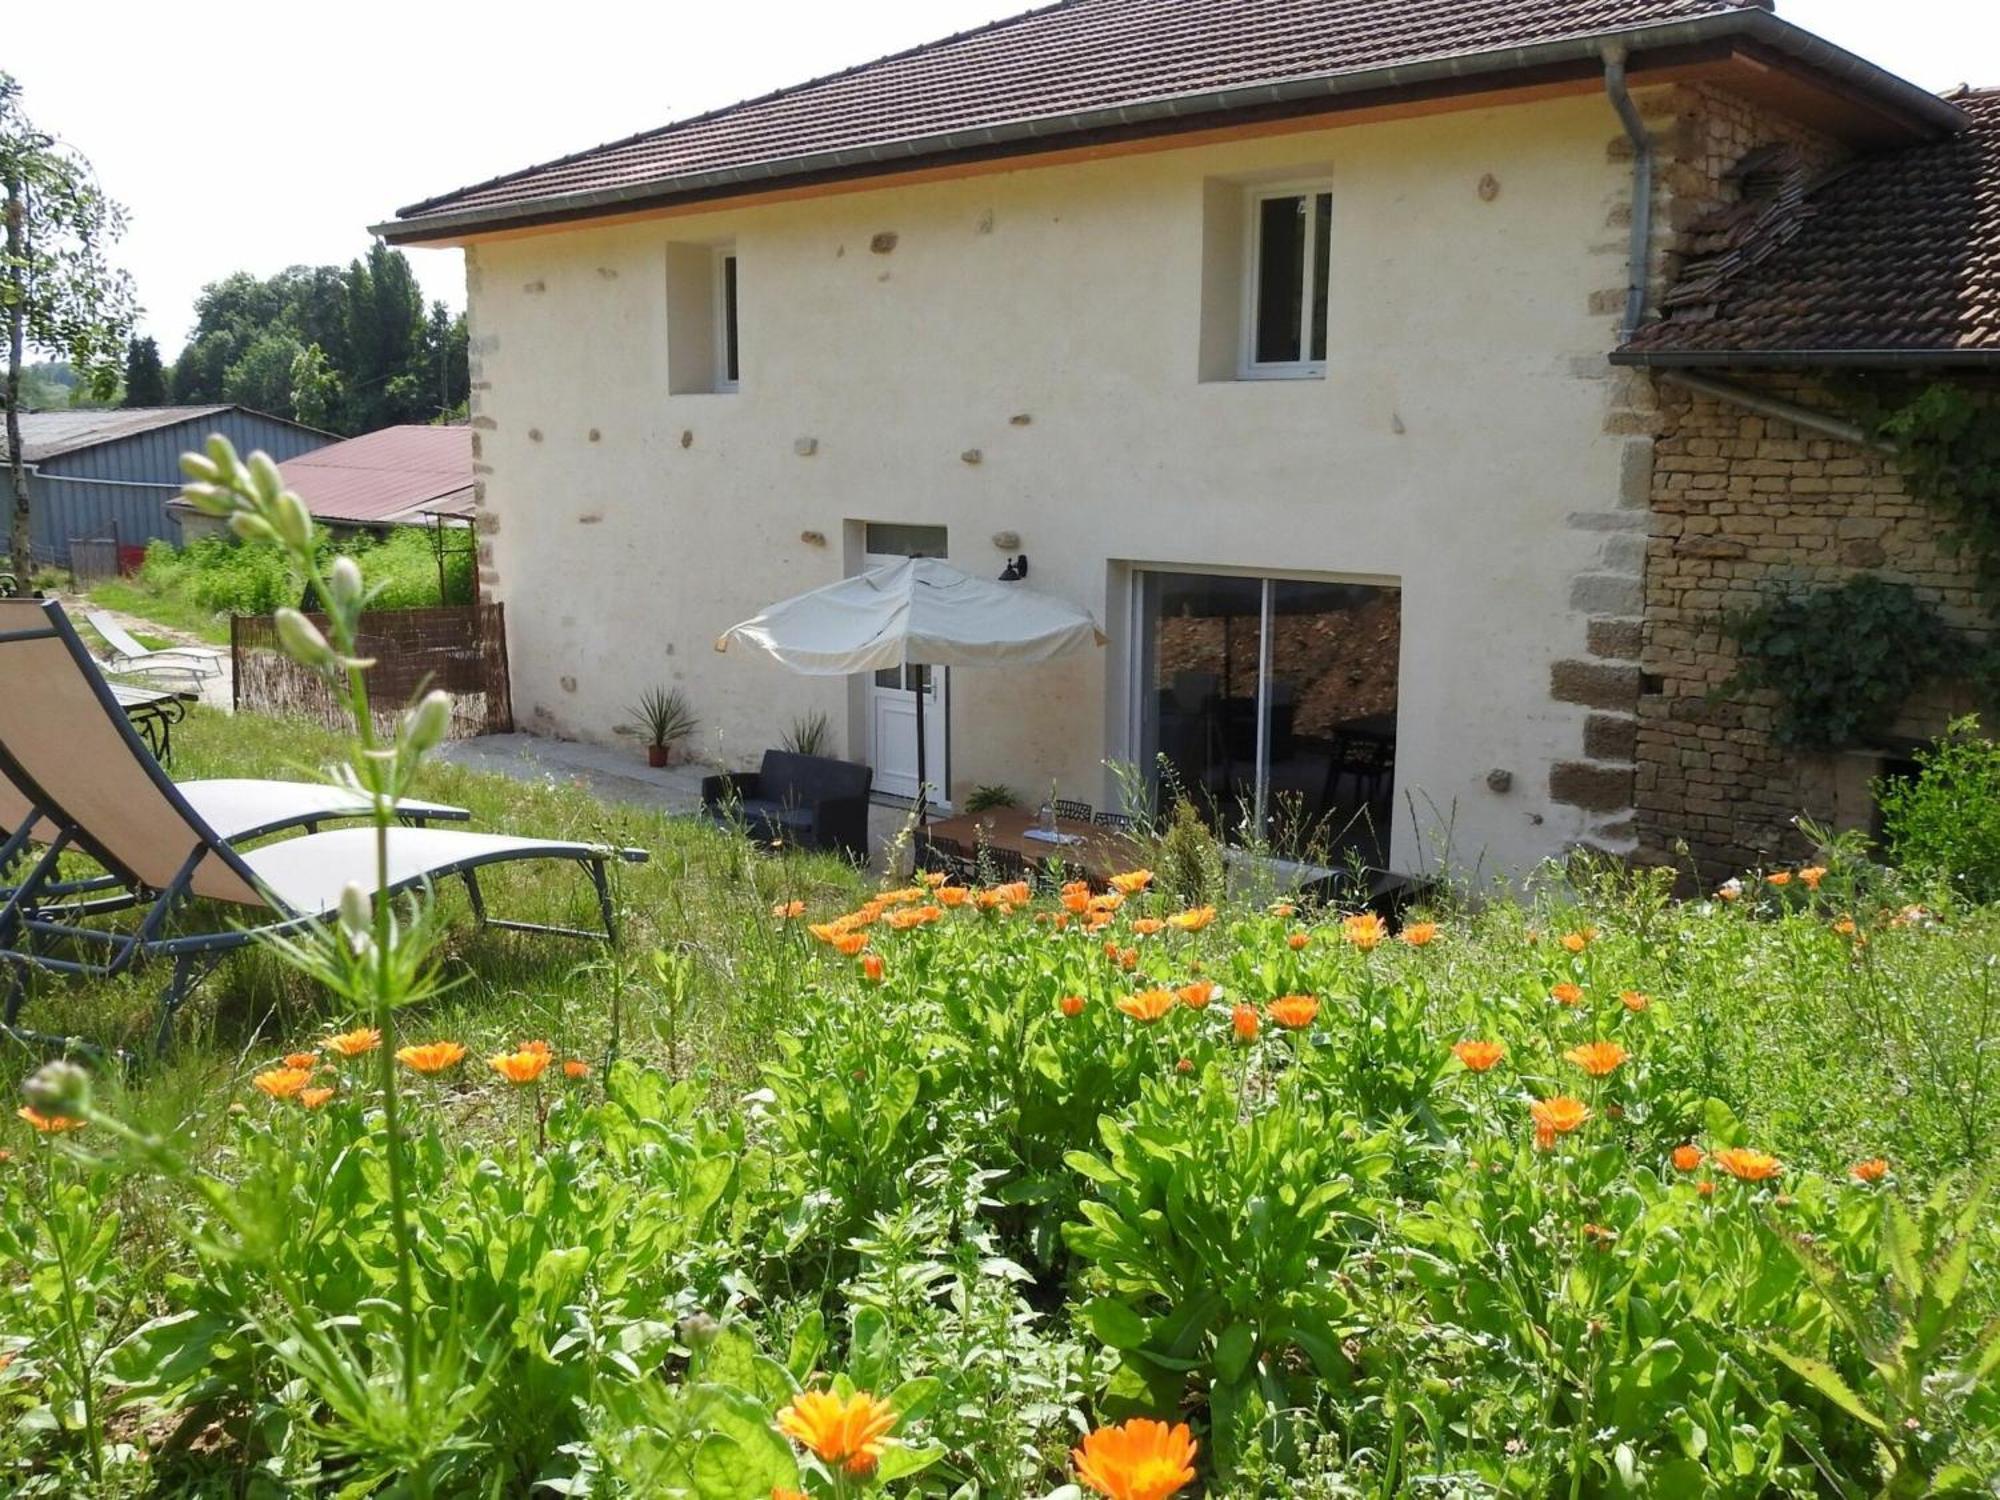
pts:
pixel 1080 55
pixel 1893 255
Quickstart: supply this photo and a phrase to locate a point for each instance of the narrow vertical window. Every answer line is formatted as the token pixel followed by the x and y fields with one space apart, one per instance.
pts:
pixel 1290 264
pixel 728 364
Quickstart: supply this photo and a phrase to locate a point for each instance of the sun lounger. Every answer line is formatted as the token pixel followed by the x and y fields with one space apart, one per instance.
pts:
pixel 127 655
pixel 64 744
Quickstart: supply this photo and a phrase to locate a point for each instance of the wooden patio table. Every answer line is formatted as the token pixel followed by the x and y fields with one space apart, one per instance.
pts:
pixel 1103 852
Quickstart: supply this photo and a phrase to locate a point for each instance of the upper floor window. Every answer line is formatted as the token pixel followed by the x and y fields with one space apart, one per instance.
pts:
pixel 1288 265
pixel 727 368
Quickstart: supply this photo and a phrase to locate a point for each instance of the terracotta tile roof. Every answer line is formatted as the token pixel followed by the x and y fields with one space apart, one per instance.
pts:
pixel 1893 255
pixel 1077 56
pixel 395 474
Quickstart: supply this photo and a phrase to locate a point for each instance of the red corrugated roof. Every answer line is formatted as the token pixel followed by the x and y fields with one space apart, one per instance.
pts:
pixel 1080 55
pixel 396 474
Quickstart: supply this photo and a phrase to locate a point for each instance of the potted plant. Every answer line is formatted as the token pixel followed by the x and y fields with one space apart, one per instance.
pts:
pixel 667 719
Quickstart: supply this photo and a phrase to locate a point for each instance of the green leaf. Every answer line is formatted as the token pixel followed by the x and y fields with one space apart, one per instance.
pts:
pixel 1234 1349
pixel 901 1460
pixel 1115 1323
pixel 1823 1378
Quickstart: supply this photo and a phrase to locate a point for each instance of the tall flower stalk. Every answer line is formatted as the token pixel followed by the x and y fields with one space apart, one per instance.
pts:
pixel 367 956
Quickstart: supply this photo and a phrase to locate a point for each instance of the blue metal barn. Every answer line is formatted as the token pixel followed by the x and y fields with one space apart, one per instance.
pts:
pixel 108 475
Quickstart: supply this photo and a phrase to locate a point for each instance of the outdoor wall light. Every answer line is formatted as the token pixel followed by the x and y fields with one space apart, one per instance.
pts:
pixel 1016 569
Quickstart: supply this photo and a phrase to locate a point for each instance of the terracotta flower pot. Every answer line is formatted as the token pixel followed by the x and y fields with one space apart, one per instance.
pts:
pixel 657 756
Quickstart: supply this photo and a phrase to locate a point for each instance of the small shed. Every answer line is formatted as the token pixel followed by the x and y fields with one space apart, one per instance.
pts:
pixel 107 475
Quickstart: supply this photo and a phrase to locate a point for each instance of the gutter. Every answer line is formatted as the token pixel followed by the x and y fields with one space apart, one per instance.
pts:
pixel 1811 359
pixel 1773 406
pixel 414 225
pixel 1638 259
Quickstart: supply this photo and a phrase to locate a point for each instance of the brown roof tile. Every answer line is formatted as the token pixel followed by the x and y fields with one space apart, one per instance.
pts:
pixel 391 475
pixel 1896 254
pixel 1080 55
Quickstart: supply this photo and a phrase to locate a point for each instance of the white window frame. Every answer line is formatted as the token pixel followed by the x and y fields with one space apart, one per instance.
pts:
pixel 728 340
pixel 1248 366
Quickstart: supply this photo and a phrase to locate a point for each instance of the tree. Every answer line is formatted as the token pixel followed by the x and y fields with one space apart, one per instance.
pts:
pixel 57 291
pixel 145 378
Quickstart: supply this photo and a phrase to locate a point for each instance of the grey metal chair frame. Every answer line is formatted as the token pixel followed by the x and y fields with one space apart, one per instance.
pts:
pixel 1068 807
pixel 26 923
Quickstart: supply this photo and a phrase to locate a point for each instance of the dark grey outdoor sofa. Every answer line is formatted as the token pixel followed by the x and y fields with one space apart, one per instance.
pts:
pixel 808 801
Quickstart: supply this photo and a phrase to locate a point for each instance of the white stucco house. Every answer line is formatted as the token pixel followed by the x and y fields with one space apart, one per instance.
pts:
pixel 1277 333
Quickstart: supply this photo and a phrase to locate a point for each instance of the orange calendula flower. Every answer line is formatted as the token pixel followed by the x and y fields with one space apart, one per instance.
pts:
pixel 1688 1157
pixel 1706 1189
pixel 306 1060
pixel 827 932
pixel 1294 1012
pixel 541 1047
pixel 1071 1005
pixel 1746 1165
pixel 780 1492
pixel 1778 878
pixel 1283 909
pixel 1575 942
pixel 1076 901
pixel 519 1067
pixel 872 967
pixel 1845 927
pixel 1147 1005
pixel 1811 876
pixel 847 1434
pixel 1137 1460
pixel 1196 994
pixel 784 911
pixel 847 944
pixel 576 1067
pixel 1597 1058
pixel 1185 1065
pixel 1193 919
pixel 1147 926
pixel 1418 934
pixel 1872 1170
pixel 49 1124
pixel 932 878
pixel 1297 940
pixel 1014 892
pixel 1245 1022
pixel 1364 929
pixel 952 895
pixel 1556 1116
pixel 1478 1056
pixel 1131 882
pixel 282 1083
pixel 1634 1000
pixel 314 1098
pixel 431 1057
pixel 1597 1234
pixel 1109 901
pixel 1730 889
pixel 1567 993
pixel 1128 959
pixel 354 1043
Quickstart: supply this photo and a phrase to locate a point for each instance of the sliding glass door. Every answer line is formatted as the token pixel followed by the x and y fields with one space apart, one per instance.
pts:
pixel 1270 705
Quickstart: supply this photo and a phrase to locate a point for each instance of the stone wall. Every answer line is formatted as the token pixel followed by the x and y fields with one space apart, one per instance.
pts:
pixel 1746 507
pixel 1699 134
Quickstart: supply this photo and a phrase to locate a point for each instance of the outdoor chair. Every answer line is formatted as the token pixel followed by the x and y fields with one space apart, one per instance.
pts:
pixel 64 744
pixel 127 655
pixel 947 855
pixel 1080 812
pixel 1117 822
pixel 804 801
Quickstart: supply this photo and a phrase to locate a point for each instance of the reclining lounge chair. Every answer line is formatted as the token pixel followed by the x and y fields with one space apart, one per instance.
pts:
pixel 65 745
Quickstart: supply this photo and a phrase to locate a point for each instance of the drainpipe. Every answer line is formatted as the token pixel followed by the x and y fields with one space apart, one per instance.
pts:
pixel 1641 253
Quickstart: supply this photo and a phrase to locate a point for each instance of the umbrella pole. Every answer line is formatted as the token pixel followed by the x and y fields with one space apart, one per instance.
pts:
pixel 923 797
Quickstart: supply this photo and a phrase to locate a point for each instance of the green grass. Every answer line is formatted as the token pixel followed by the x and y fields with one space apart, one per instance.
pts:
pixel 130 596
pixel 701 892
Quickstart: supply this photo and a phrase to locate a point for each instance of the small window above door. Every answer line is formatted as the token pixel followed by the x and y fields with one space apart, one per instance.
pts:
pixel 898 539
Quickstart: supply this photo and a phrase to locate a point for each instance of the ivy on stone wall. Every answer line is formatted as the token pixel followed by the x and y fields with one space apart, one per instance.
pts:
pixel 1945 439
pixel 1842 660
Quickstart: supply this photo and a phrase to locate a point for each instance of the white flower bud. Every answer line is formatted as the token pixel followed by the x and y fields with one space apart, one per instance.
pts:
pixel 199 468
pixel 355 915
pixel 58 1088
pixel 426 725
pixel 209 499
pixel 251 527
pixel 302 640
pixel 344 582
pixel 264 476
pixel 222 453
pixel 290 519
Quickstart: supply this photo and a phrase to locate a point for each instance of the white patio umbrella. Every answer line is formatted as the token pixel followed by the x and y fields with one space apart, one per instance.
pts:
pixel 919 611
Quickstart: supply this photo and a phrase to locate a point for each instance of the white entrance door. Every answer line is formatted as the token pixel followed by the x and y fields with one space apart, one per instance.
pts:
pixel 892 693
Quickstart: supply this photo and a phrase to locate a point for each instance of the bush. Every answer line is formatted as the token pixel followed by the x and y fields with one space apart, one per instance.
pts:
pixel 227 577
pixel 1945 824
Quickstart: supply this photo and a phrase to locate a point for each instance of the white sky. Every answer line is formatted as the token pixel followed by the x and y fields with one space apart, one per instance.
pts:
pixel 366 105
